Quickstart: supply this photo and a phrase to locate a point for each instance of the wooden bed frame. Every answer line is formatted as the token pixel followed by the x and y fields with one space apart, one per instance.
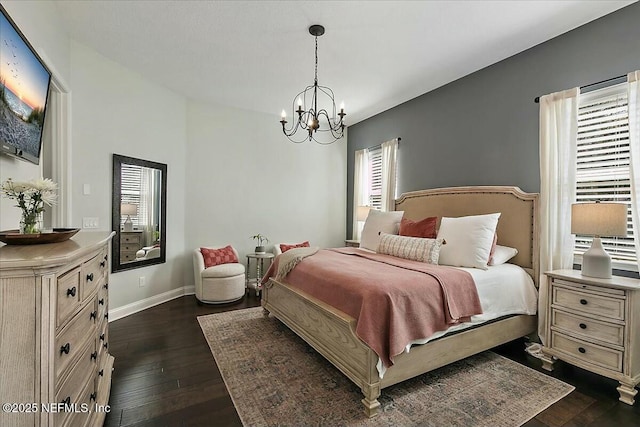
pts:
pixel 332 332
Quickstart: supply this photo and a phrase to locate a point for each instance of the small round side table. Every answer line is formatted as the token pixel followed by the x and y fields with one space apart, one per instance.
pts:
pixel 259 258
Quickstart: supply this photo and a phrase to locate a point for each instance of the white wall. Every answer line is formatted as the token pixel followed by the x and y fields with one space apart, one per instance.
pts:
pixel 245 177
pixel 118 111
pixel 42 26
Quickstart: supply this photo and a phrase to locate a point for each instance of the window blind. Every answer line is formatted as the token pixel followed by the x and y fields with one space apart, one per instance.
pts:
pixel 131 182
pixel 603 165
pixel 375 178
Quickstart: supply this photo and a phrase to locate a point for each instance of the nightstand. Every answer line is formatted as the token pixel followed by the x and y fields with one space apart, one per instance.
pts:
pixel 352 243
pixel 595 324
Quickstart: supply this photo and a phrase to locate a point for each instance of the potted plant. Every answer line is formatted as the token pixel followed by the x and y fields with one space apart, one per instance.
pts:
pixel 261 241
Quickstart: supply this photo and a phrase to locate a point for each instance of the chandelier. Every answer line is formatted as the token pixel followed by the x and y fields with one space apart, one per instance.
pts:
pixel 311 119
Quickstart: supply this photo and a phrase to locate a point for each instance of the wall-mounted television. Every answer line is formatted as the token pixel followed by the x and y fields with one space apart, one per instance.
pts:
pixel 24 91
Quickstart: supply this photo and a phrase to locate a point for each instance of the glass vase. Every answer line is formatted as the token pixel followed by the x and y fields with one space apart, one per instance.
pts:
pixel 30 223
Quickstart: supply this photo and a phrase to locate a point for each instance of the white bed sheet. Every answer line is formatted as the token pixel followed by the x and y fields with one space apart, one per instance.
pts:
pixel 503 290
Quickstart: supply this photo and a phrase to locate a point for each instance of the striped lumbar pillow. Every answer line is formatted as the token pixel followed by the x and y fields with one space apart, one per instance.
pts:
pixel 411 248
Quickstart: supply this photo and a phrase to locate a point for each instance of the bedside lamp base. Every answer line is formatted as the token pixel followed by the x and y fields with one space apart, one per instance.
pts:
pixel 596 262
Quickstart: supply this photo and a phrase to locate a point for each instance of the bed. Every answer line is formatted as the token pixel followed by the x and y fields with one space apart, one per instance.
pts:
pixel 331 332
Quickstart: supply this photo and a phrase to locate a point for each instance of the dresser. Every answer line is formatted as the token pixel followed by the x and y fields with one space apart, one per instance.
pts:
pixel 54 337
pixel 130 243
pixel 595 324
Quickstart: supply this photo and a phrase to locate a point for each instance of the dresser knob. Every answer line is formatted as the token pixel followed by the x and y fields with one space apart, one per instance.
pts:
pixel 106 316
pixel 583 301
pixel 93 396
pixel 583 326
pixel 582 350
pixel 103 263
pixel 101 372
pixel 93 315
pixel 101 301
pixel 106 286
pixel 101 337
pixel 90 277
pixel 66 401
pixel 71 292
pixel 94 355
pixel 65 348
pixel 106 345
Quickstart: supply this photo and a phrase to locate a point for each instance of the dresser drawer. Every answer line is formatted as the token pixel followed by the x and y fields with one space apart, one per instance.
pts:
pixel 73 336
pixel 72 390
pixel 91 276
pixel 589 353
pixel 596 305
pixel 86 401
pixel 68 295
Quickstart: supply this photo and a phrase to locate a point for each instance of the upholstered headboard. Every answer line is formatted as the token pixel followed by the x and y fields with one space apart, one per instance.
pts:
pixel 518 224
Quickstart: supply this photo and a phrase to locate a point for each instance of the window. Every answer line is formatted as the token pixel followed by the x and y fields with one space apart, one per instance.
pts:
pixel 131 185
pixel 375 178
pixel 603 165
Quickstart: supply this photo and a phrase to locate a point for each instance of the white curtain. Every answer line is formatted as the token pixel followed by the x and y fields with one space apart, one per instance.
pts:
pixel 558 141
pixel 360 187
pixel 148 203
pixel 633 80
pixel 389 153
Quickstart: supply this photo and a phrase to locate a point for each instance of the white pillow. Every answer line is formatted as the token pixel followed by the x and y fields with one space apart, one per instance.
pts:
pixel 502 254
pixel 379 222
pixel 469 240
pixel 411 248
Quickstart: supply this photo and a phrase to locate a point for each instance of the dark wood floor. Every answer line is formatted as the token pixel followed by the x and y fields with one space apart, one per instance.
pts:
pixel 165 375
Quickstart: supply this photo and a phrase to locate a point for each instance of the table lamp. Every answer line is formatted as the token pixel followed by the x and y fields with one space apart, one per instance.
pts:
pixel 362 213
pixel 128 210
pixel 598 220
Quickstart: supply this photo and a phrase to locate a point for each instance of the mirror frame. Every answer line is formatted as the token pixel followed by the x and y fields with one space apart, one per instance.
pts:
pixel 118 161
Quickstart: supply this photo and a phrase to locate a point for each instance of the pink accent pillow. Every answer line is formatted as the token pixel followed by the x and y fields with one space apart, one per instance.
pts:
pixel 218 256
pixel 284 248
pixel 425 228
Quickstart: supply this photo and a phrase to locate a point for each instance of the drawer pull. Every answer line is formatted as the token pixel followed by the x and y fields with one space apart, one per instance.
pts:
pixel 583 301
pixel 101 337
pixel 101 372
pixel 103 263
pixel 66 401
pixel 93 396
pixel 65 348
pixel 583 326
pixel 93 315
pixel 94 355
pixel 90 278
pixel 105 345
pixel 582 350
pixel 106 316
pixel 71 292
pixel 101 301
pixel 106 257
pixel 106 286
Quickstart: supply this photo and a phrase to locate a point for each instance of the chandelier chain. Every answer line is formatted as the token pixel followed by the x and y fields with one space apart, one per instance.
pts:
pixel 316 79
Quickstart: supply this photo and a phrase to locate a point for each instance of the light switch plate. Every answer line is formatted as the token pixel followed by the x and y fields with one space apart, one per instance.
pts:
pixel 90 222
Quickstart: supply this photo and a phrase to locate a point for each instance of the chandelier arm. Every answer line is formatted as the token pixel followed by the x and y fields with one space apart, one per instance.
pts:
pixel 327 91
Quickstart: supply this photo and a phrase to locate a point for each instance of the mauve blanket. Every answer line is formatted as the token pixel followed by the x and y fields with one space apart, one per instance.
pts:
pixel 393 300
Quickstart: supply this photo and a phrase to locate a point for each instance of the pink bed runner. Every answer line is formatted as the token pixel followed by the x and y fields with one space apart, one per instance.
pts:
pixel 394 301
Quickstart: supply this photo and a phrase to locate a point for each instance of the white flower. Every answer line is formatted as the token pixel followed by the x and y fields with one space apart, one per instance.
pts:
pixel 44 185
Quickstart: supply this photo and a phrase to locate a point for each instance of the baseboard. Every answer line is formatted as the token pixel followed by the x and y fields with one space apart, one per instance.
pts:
pixel 134 307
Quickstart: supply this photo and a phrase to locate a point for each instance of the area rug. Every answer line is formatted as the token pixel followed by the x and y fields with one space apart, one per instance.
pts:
pixel 276 379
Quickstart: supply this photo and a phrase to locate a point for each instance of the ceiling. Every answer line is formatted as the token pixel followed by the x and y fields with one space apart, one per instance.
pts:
pixel 258 55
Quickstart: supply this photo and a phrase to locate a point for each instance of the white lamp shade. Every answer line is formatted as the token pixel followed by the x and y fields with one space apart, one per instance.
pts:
pixel 128 209
pixel 599 219
pixel 363 212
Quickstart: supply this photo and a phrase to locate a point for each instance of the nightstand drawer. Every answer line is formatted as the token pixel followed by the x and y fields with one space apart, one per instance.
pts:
pixel 595 305
pixel 602 331
pixel 589 353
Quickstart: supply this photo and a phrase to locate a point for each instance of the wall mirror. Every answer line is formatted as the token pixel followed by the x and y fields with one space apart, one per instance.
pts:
pixel 139 213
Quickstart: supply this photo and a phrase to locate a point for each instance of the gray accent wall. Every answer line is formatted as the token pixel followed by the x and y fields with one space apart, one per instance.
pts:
pixel 482 129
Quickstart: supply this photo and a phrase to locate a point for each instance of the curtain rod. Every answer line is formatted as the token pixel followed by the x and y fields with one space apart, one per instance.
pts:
pixel 537 99
pixel 379 145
